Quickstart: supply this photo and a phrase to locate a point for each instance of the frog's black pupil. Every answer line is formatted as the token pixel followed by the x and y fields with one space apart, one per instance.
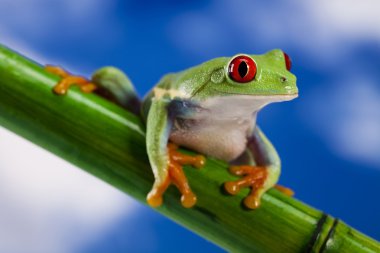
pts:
pixel 243 69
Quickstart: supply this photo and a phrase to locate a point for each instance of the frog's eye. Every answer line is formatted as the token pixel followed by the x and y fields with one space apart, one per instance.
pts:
pixel 242 69
pixel 288 61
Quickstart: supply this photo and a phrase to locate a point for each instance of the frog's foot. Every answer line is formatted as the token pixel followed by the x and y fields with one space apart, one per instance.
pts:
pixel 253 177
pixel 68 80
pixel 177 177
pixel 285 190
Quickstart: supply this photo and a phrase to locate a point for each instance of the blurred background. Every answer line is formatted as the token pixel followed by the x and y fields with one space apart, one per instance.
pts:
pixel 328 138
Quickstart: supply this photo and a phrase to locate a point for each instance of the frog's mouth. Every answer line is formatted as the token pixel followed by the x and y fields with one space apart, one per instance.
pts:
pixel 257 102
pixel 289 94
pixel 266 99
pixel 285 97
pixel 238 105
pixel 269 97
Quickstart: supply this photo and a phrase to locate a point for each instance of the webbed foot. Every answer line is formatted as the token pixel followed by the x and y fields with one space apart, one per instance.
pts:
pixel 253 177
pixel 68 80
pixel 285 190
pixel 177 177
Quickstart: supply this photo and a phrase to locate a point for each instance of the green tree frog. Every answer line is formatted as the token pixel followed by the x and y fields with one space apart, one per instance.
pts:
pixel 211 109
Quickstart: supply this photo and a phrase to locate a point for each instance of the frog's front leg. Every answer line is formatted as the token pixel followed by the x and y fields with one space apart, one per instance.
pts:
pixel 165 160
pixel 261 176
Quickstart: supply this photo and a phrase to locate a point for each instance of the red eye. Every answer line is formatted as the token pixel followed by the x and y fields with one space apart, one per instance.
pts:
pixel 242 69
pixel 288 61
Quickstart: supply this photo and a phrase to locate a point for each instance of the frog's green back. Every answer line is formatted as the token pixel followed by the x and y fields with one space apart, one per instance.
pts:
pixel 186 83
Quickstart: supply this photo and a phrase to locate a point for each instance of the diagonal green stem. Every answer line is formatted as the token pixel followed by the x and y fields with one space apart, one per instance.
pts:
pixel 109 143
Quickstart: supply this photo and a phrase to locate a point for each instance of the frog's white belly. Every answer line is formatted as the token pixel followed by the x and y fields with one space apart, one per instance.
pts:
pixel 222 125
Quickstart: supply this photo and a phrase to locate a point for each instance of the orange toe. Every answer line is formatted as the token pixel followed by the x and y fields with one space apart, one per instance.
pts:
pixel 287 191
pixel 69 80
pixel 177 177
pixel 251 176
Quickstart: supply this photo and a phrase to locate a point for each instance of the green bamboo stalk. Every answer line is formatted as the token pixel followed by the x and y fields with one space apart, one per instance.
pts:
pixel 109 142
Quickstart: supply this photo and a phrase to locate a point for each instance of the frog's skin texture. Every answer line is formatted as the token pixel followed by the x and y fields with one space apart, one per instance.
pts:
pixel 211 109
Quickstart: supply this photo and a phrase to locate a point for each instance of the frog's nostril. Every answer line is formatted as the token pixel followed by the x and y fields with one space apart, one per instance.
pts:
pixel 283 79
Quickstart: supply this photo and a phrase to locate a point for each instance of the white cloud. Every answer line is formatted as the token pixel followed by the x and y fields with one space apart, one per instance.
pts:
pixel 48 205
pixel 35 18
pixel 41 23
pixel 321 30
pixel 348 118
pixel 350 18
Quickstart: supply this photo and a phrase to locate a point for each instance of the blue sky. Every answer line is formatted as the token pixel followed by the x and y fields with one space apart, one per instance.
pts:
pixel 329 138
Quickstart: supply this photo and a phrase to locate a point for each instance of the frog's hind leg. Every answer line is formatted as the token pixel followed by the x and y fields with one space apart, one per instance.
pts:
pixel 261 173
pixel 114 85
pixel 108 82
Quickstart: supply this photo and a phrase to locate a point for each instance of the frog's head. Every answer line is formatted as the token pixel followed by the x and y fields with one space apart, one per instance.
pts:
pixel 265 75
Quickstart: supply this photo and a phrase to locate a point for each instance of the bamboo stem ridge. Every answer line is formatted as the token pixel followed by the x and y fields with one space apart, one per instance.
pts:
pixel 109 142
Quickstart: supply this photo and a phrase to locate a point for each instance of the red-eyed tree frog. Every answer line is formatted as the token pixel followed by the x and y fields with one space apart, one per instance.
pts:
pixel 211 109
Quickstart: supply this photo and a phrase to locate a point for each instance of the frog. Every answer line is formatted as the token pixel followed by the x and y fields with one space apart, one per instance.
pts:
pixel 211 109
